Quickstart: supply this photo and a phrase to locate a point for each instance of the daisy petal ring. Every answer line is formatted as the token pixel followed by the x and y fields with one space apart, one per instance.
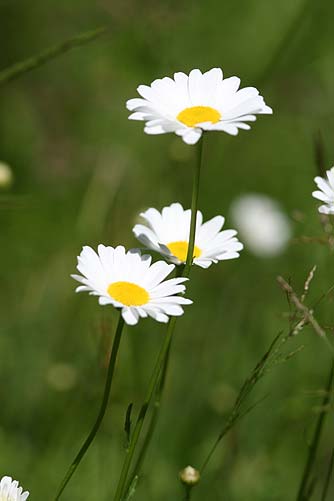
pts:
pixel 11 491
pixel 190 104
pixel 325 192
pixel 168 233
pixel 129 281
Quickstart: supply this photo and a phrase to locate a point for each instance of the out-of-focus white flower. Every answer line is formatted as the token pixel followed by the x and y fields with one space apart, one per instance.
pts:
pixel 129 281
pixel 327 192
pixel 168 233
pixel 6 175
pixel 263 226
pixel 11 491
pixel 191 104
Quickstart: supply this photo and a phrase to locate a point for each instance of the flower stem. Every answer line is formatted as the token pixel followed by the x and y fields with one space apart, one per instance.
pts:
pixel 158 377
pixel 31 63
pixel 142 413
pixel 153 421
pixel 194 203
pixel 102 410
pixel 328 478
pixel 187 493
pixel 316 439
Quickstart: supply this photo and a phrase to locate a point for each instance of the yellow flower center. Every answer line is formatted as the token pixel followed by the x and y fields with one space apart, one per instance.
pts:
pixel 197 115
pixel 128 293
pixel 180 250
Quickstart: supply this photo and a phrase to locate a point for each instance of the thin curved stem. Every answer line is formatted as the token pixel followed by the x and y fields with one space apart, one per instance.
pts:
pixel 123 485
pixel 31 63
pixel 102 411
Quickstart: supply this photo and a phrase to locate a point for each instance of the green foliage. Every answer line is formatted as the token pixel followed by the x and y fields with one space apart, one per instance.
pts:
pixel 83 172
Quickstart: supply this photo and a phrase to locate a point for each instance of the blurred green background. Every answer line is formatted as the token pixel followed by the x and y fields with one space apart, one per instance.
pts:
pixel 83 172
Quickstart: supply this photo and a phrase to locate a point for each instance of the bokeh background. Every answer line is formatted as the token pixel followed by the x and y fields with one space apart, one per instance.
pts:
pixel 82 173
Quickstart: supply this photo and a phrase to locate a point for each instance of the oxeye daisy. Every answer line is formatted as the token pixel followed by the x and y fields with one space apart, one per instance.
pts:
pixel 167 232
pixel 11 491
pixel 191 104
pixel 129 281
pixel 325 192
pixel 263 225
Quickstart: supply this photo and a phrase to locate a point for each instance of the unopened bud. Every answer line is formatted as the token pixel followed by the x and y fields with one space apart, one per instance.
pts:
pixel 189 476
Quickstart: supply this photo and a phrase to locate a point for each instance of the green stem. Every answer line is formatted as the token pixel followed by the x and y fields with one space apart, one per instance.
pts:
pixel 302 496
pixel 142 413
pixel 194 204
pixel 163 354
pixel 31 63
pixel 102 410
pixel 188 493
pixel 328 478
pixel 153 421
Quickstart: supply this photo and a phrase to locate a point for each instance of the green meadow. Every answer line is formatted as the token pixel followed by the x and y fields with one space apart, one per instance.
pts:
pixel 82 173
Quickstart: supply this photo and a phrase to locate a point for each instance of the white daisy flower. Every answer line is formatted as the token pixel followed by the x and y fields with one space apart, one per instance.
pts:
pixel 327 192
pixel 191 104
pixel 11 491
pixel 168 233
pixel 264 227
pixel 129 281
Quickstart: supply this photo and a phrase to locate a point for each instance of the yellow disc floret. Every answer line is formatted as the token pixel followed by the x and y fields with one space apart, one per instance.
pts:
pixel 180 250
pixel 128 293
pixel 197 115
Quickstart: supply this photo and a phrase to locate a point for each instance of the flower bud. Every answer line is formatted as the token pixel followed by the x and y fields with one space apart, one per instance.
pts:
pixel 189 476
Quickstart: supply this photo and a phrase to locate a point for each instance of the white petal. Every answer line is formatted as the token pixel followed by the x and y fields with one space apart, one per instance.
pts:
pixel 132 104
pixel 227 255
pixel 146 236
pixel 157 315
pixel 324 186
pixel 191 136
pixel 209 229
pixel 195 87
pixel 103 300
pixel 320 195
pixel 330 177
pixel 157 129
pixel 158 272
pixel 173 309
pixel 227 127
pixel 227 88
pixel 163 290
pixel 130 315
pixel 138 115
pixel 324 209
pixel 171 300
pixel 202 262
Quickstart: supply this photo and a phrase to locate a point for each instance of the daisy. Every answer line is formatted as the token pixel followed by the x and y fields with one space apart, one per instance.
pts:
pixel 326 193
pixel 168 233
pixel 191 104
pixel 129 281
pixel 11 491
pixel 263 225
